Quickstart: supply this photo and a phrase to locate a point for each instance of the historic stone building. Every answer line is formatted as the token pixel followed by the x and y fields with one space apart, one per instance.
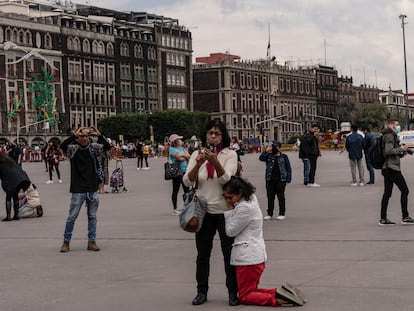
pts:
pixel 255 99
pixel 236 93
pixel 107 62
pixel 327 96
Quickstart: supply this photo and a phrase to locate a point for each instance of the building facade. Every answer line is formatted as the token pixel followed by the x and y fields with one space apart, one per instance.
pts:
pixel 106 62
pixel 256 99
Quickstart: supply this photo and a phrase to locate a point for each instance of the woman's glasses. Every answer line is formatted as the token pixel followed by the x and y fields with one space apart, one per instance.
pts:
pixel 215 133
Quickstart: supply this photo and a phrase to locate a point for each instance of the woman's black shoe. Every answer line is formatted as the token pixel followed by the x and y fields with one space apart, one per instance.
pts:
pixel 199 299
pixel 233 300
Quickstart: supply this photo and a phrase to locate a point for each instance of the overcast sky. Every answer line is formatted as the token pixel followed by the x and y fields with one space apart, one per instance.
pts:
pixel 361 35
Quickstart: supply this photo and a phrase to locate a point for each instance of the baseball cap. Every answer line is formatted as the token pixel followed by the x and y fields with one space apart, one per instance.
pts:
pixel 174 137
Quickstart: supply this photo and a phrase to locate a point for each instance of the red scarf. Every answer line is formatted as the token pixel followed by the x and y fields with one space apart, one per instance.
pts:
pixel 210 167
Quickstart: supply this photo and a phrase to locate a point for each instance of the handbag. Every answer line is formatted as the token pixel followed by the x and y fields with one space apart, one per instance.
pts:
pixel 192 216
pixel 171 170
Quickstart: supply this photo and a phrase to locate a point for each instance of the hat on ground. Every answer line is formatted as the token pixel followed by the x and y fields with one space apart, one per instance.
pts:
pixel 193 137
pixel 174 137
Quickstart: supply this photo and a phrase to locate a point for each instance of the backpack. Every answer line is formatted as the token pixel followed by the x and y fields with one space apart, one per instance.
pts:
pixel 376 153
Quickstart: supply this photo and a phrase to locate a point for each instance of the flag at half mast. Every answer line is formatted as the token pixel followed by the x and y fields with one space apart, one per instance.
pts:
pixel 268 55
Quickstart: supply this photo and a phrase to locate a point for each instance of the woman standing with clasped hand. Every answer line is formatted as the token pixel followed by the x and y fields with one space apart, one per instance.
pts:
pixel 212 167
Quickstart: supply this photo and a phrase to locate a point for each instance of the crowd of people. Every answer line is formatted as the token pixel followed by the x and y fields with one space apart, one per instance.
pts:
pixel 212 165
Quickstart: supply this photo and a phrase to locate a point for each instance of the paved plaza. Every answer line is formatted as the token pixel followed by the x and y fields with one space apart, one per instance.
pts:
pixel 329 245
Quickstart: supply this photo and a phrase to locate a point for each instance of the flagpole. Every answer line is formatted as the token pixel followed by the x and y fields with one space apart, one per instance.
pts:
pixel 268 42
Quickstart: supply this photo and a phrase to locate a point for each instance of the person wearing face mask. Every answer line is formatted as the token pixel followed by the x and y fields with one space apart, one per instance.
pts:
pixel 278 174
pixel 391 171
pixel 178 154
pixel 209 169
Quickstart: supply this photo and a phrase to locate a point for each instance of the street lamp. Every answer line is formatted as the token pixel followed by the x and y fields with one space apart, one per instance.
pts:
pixel 403 17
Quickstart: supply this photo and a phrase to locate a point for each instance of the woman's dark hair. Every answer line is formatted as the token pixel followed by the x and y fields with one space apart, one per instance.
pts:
pixel 225 138
pixel 237 184
pixel 4 158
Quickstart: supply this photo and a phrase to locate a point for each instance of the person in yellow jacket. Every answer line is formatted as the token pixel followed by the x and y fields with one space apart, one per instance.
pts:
pixel 146 150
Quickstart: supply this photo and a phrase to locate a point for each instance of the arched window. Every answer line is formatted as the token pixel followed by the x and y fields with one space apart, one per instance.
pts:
pixel 76 44
pixel 69 43
pixel 8 34
pixel 101 47
pixel 95 47
pixel 110 49
pixel 20 38
pixel 48 41
pixel 124 49
pixel 86 46
pixel 28 38
pixel 15 35
pixel 138 52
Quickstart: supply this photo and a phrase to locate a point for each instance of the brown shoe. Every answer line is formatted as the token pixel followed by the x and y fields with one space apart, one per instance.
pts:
pixel 93 247
pixel 65 247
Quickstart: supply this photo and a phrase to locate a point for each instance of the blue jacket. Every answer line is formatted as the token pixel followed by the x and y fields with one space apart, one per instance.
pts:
pixel 354 145
pixel 282 161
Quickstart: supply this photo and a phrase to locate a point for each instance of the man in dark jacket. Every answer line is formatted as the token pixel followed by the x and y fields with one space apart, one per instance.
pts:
pixel 309 153
pixel 354 145
pixel 368 142
pixel 278 174
pixel 391 171
pixel 86 173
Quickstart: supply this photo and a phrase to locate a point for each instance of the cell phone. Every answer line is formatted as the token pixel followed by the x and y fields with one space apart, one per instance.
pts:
pixel 210 147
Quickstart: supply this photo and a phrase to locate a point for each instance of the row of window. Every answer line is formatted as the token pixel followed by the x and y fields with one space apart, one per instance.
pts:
pixel 175 59
pixel 177 101
pixel 93 95
pixel 246 80
pixel 138 51
pixel 291 86
pixel 102 72
pixel 98 47
pixel 24 37
pixel 90 118
pixel 175 42
pixel 252 103
pixel 176 78
pixel 129 106
pixel 139 72
pixel 126 90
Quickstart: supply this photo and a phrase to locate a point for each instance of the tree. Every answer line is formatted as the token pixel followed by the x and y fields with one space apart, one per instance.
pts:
pixel 164 123
pixel 374 116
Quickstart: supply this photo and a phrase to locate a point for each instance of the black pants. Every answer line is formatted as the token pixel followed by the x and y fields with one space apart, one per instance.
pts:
pixel 204 243
pixel 392 177
pixel 275 188
pixel 176 187
pixel 56 167
pixel 313 160
pixel 140 159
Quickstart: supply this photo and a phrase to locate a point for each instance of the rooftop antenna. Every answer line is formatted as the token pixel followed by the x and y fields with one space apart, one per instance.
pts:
pixel 376 81
pixel 324 43
pixel 350 70
pixel 364 76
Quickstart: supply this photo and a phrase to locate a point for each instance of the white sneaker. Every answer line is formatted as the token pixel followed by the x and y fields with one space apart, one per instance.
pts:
pixel 137 168
pixel 361 184
pixel 281 217
pixel 60 181
pixel 49 182
pixel 176 212
pixel 314 185
pixel 354 184
pixel 146 168
pixel 267 217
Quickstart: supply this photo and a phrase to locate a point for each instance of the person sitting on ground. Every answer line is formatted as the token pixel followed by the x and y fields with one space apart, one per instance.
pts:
pixel 30 203
pixel 243 221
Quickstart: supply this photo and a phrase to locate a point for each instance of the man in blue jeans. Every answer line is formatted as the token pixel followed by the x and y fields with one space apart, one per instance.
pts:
pixel 309 153
pixel 86 173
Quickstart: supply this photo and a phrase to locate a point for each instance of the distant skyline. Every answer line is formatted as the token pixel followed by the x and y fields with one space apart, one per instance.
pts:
pixel 362 37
